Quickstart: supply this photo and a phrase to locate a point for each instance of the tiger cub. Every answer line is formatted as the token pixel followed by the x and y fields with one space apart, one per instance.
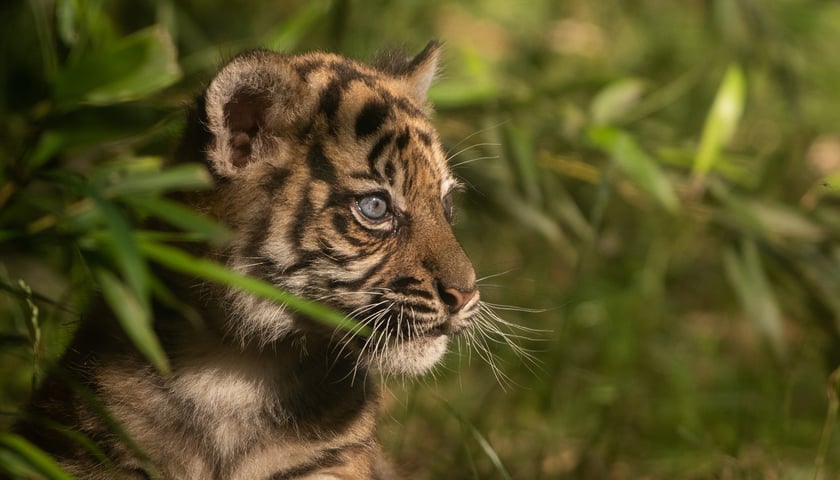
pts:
pixel 336 188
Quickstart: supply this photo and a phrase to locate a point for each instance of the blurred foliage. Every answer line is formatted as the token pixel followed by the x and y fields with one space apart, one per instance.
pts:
pixel 662 178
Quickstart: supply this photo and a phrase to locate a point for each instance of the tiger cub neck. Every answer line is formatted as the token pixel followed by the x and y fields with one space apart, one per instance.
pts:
pixel 296 385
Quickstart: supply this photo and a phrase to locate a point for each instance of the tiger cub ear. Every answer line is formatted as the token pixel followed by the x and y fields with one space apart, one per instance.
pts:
pixel 244 103
pixel 417 72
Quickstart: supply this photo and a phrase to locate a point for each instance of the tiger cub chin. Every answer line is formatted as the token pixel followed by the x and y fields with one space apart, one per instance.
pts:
pixel 336 188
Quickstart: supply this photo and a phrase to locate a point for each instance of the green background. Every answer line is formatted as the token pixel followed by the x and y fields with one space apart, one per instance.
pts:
pixel 653 187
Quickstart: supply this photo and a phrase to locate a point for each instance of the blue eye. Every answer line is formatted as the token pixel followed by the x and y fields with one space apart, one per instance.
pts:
pixel 375 206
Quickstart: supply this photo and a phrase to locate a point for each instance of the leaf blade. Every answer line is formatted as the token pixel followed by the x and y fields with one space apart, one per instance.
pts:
pixel 183 262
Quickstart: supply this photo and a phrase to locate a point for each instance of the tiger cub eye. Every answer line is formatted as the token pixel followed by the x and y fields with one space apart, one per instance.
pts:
pixel 375 207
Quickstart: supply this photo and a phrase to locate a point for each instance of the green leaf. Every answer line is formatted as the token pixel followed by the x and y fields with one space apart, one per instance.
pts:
pixel 66 13
pixel 485 445
pixel 746 275
pixel 520 152
pixel 615 100
pixel 721 121
pixel 179 177
pixel 291 32
pixel 130 68
pixel 182 217
pixel 134 318
pixel 183 262
pixel 18 457
pixel 636 164
pixel 124 247
pixel 476 86
pixel 772 221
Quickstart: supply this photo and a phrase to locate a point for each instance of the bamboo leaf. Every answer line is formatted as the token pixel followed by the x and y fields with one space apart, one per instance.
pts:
pixel 130 68
pixel 179 177
pixel 746 275
pixel 23 458
pixel 134 317
pixel 643 170
pixel 183 262
pixel 721 121
pixel 124 247
pixel 182 217
pixel 482 442
pixel 615 100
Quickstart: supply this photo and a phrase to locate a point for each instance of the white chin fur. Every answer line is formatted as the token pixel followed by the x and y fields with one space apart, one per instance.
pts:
pixel 412 358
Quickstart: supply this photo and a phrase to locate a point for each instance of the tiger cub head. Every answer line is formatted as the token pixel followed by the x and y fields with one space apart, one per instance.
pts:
pixel 337 189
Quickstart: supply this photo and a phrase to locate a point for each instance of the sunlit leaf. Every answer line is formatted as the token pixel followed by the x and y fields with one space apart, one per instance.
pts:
pixel 181 261
pixel 124 247
pixel 134 318
pixel 19 457
pixel 614 100
pixel 179 177
pixel 182 217
pixel 722 120
pixel 134 66
pixel 66 13
pixel 636 164
pixel 771 220
pixel 746 276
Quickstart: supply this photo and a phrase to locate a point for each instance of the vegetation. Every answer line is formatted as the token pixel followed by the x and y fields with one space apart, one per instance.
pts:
pixel 660 179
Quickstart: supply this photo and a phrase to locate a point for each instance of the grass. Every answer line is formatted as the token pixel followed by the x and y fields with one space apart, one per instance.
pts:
pixel 659 179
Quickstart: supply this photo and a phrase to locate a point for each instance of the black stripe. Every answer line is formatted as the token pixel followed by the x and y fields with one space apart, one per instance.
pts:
pixel 330 99
pixel 276 179
pixel 256 236
pixel 339 222
pixel 321 167
pixel 403 282
pixel 377 150
pixel 389 171
pixel 329 458
pixel 346 72
pixel 303 215
pixel 371 118
pixel 425 137
pixel 305 68
pixel 408 108
pixel 417 293
pixel 402 140
pixel 266 269
pixel 355 284
pixel 307 258
pixel 363 176
pixel 419 307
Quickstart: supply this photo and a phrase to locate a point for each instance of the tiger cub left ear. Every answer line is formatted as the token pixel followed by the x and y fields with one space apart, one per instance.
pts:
pixel 417 73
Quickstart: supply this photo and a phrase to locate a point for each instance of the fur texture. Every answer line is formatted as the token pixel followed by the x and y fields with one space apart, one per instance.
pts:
pixel 336 188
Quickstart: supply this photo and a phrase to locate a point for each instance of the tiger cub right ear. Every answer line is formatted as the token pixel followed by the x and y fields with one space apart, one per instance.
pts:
pixel 416 73
pixel 245 103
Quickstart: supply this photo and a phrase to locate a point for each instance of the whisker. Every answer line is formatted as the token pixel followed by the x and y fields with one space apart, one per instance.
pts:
pixel 479 132
pixel 471 160
pixel 449 158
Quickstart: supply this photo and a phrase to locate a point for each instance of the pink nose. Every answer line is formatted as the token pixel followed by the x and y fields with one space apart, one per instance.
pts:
pixel 456 299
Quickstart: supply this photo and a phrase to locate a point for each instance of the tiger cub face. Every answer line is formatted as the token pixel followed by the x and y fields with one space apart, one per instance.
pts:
pixel 337 188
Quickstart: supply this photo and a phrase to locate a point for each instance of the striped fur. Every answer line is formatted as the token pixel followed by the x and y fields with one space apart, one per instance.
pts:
pixel 335 185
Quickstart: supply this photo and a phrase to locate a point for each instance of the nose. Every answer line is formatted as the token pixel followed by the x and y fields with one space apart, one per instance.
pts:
pixel 455 299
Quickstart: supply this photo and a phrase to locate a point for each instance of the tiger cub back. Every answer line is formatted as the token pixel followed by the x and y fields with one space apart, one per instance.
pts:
pixel 335 186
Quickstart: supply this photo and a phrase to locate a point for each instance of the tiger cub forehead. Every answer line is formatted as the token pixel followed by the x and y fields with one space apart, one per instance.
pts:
pixel 370 123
